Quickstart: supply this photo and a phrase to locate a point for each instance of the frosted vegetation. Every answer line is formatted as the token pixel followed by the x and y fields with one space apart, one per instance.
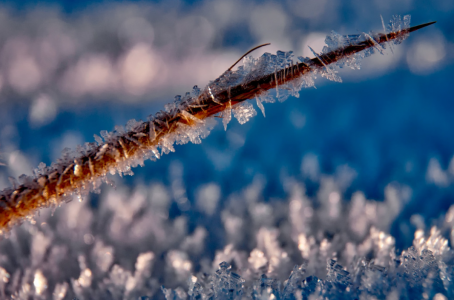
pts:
pixel 188 119
pixel 232 246
pixel 246 246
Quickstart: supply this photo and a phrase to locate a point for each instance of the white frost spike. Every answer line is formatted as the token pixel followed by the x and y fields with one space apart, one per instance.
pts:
pixel 386 34
pixel 166 144
pixel 406 21
pixel 152 132
pixel 266 98
pixel 194 133
pixel 260 105
pixel 155 152
pixel 98 139
pixel 226 115
pixel 243 112
pixel 374 42
pixel 330 74
pixel 283 95
pixel 191 117
pixel 212 97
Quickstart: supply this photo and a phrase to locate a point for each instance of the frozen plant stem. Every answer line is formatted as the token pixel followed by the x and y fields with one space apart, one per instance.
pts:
pixel 183 121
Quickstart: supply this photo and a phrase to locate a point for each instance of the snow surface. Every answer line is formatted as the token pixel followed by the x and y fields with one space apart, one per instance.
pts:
pixel 298 247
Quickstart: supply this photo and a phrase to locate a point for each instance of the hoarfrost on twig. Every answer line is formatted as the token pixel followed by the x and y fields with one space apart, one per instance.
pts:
pixel 186 119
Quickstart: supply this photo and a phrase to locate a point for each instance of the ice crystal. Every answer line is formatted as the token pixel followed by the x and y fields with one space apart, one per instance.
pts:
pixel 328 71
pixel 226 115
pixel 260 105
pixel 243 112
pixel 398 23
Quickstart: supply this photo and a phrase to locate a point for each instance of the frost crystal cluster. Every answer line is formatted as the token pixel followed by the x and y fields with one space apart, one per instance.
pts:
pixel 249 247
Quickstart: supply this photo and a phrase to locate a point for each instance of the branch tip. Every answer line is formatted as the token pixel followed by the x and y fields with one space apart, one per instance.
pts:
pixel 414 28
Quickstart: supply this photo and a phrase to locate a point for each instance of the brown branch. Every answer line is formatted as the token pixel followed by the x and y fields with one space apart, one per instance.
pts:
pixel 74 174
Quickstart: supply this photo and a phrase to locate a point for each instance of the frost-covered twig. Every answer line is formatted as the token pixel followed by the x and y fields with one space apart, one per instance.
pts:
pixel 187 119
